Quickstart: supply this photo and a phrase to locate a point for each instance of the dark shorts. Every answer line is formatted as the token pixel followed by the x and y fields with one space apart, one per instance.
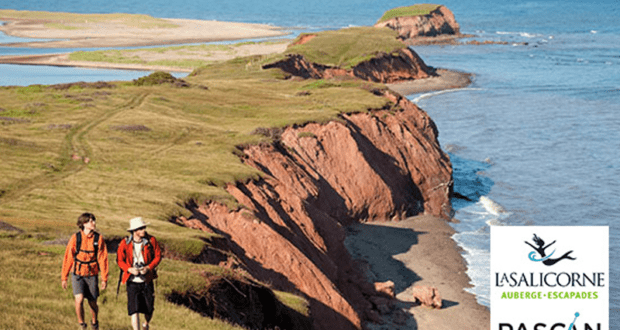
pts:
pixel 140 298
pixel 85 285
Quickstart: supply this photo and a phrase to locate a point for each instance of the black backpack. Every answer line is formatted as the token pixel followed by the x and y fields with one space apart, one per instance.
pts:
pixel 78 248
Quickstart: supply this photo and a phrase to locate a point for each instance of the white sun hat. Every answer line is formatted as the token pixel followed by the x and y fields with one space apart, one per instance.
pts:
pixel 136 223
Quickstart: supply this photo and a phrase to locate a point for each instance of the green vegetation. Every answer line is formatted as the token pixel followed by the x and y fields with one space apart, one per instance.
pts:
pixel 59 26
pixel 63 20
pixel 415 10
pixel 347 47
pixel 108 56
pixel 306 134
pixel 146 148
pixel 184 57
pixel 32 297
pixel 126 150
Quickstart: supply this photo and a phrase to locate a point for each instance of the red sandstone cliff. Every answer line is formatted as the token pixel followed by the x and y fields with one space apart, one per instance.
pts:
pixel 440 21
pixel 404 64
pixel 371 166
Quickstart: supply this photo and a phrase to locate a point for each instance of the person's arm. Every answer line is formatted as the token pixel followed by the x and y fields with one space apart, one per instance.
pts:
pixel 67 261
pixel 121 256
pixel 156 255
pixel 121 259
pixel 102 259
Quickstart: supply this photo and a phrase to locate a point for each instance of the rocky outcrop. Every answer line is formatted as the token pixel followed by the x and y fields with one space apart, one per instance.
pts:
pixel 401 65
pixel 371 166
pixel 438 22
pixel 427 296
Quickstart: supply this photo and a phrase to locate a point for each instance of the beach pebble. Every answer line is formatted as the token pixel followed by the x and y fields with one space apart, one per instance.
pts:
pixel 385 287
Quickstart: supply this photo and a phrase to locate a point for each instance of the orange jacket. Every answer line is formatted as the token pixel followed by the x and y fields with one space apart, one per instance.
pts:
pixel 151 253
pixel 83 269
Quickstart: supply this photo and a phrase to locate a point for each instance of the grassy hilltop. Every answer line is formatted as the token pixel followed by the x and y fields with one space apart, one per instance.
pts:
pixel 415 10
pixel 143 148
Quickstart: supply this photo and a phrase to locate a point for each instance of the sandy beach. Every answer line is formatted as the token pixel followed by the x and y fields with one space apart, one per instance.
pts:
pixel 418 251
pixel 113 34
pixel 445 79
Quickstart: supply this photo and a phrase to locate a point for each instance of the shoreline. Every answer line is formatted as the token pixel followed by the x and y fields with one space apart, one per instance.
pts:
pixel 418 251
pixel 445 79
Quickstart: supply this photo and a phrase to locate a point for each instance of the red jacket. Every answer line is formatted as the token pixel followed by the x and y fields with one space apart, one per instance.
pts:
pixel 150 251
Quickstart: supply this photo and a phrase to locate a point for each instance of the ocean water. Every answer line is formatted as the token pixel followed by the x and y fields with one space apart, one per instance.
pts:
pixel 535 140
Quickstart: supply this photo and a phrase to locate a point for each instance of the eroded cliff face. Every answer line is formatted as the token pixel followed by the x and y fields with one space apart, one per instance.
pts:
pixel 440 21
pixel 400 65
pixel 373 166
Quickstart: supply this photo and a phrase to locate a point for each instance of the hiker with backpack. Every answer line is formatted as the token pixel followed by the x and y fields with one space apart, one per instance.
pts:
pixel 86 256
pixel 138 256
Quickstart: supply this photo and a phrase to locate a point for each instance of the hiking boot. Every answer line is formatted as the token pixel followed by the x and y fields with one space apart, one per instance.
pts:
pixel 95 325
pixel 83 326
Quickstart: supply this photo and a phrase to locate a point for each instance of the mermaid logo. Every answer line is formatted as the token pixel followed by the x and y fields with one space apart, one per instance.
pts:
pixel 544 258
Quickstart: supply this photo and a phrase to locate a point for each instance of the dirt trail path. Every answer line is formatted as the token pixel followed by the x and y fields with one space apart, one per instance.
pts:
pixel 75 145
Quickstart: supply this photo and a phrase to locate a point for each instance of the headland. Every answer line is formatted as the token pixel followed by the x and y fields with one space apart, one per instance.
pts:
pixel 259 183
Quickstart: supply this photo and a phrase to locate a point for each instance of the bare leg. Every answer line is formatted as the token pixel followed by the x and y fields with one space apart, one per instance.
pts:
pixel 135 321
pixel 94 310
pixel 79 307
pixel 148 319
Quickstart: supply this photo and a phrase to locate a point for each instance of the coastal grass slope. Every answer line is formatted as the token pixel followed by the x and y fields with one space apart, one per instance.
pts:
pixel 142 148
pixel 150 148
pixel 345 48
pixel 186 57
pixel 32 297
pixel 415 10
pixel 122 150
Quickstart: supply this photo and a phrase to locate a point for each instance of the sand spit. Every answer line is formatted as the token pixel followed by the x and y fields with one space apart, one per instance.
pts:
pixel 111 34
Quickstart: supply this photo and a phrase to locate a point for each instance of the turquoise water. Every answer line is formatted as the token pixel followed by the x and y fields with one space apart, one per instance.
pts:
pixel 534 140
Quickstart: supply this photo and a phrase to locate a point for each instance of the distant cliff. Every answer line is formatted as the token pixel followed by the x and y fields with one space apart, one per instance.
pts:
pixel 435 22
pixel 364 52
pixel 400 65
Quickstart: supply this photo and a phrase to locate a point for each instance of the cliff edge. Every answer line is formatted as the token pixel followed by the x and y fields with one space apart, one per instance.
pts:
pixel 367 53
pixel 420 21
pixel 370 165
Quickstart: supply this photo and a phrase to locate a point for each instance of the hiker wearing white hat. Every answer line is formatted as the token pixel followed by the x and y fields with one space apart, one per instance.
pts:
pixel 138 256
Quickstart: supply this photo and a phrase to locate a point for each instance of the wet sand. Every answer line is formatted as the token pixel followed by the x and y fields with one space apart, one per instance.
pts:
pixel 445 79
